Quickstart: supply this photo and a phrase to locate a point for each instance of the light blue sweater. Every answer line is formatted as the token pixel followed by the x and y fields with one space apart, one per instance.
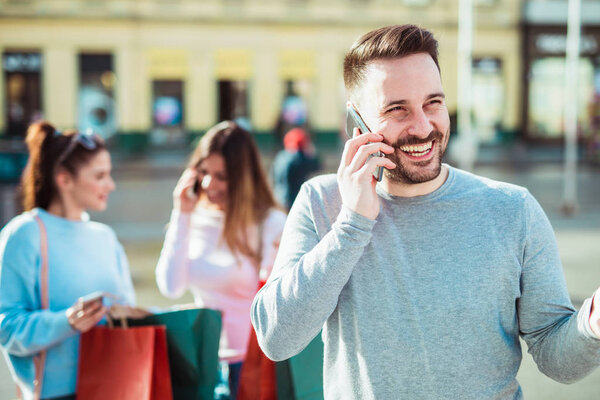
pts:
pixel 429 300
pixel 83 257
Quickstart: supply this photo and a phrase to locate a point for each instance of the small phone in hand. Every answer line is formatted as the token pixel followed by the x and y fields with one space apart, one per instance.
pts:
pixel 96 297
pixel 192 192
pixel 354 120
pixel 92 298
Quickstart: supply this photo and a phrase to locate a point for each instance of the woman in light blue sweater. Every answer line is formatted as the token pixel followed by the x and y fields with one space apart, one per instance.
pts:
pixel 66 175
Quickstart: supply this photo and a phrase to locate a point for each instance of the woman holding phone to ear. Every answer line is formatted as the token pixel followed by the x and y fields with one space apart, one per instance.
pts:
pixel 223 236
pixel 53 259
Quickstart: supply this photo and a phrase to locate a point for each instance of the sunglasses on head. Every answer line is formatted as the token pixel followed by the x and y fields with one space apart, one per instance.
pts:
pixel 87 138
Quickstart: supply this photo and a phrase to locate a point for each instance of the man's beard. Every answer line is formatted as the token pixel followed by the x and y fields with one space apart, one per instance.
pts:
pixel 412 172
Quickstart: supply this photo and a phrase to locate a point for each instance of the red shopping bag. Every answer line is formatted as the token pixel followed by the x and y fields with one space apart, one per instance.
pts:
pixel 257 378
pixel 124 364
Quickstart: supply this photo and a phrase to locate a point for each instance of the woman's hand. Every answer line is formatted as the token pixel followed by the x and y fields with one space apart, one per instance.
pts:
pixel 120 311
pixel 83 316
pixel 184 198
pixel 355 174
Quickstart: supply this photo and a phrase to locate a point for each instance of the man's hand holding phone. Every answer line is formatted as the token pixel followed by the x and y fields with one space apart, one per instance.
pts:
pixel 355 174
pixel 185 194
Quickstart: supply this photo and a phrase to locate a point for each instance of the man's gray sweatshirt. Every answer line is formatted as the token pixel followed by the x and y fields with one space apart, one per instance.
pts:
pixel 429 300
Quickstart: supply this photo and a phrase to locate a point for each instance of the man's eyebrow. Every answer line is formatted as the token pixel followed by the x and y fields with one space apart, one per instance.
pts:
pixel 440 94
pixel 395 103
pixel 403 102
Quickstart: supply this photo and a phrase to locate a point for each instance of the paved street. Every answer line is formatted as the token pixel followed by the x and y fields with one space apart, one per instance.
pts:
pixel 139 210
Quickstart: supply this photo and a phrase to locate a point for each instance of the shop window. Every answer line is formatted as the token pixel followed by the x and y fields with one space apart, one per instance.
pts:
pixel 95 100
pixel 167 112
pixel 233 102
pixel 545 118
pixel 488 98
pixel 22 82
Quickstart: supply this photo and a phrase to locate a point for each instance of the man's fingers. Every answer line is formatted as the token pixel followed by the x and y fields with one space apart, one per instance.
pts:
pixel 352 145
pixel 368 169
pixel 365 151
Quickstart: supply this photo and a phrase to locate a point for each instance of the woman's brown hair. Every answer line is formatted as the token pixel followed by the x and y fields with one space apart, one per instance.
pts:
pixel 50 150
pixel 249 196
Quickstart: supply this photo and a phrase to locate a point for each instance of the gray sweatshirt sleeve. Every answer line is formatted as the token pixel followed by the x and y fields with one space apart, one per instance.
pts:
pixel 561 348
pixel 309 273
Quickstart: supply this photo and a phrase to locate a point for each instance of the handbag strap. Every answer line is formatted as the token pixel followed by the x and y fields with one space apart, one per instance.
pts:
pixel 39 361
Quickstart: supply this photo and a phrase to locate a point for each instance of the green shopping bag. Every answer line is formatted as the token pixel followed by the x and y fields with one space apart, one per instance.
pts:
pixel 301 377
pixel 193 346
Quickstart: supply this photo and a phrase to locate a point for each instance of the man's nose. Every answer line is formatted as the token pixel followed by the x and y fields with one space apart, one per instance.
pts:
pixel 420 124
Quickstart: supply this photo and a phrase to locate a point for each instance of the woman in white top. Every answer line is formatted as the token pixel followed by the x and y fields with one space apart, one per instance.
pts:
pixel 223 235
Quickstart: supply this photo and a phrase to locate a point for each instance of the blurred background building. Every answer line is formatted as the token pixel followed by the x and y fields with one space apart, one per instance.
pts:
pixel 157 73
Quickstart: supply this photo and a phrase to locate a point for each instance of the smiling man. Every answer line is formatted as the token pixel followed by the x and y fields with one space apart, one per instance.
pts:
pixel 422 283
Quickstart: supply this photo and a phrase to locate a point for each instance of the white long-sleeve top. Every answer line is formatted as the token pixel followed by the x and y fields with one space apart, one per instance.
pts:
pixel 195 257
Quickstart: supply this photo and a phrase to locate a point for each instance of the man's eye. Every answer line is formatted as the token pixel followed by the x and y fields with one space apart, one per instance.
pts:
pixel 397 109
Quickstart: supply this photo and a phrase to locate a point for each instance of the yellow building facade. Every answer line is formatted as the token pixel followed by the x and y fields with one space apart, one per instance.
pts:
pixel 199 50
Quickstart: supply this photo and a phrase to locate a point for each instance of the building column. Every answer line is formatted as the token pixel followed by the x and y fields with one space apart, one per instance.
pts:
pixel 512 64
pixel 133 102
pixel 132 95
pixel 200 107
pixel 265 91
pixel 59 83
pixel 327 112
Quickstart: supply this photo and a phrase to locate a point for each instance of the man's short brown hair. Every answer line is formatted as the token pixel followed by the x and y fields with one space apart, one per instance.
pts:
pixel 386 43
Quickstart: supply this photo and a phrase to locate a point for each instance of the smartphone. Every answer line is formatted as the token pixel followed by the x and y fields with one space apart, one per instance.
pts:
pixel 95 297
pixel 192 193
pixel 353 120
pixel 92 298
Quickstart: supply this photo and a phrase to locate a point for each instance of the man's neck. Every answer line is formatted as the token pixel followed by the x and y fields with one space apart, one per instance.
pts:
pixel 414 189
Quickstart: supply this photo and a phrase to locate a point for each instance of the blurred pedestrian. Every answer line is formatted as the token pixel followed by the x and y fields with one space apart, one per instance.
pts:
pixel 67 174
pixel 223 235
pixel 293 165
pixel 423 283
pixel 293 114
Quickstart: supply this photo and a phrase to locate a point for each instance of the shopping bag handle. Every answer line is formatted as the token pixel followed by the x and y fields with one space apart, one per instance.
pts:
pixel 111 324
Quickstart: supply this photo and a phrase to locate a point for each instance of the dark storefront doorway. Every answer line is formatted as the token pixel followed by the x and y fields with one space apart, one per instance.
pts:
pixel 22 82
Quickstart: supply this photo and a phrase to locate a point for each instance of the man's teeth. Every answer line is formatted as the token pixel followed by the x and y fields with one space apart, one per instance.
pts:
pixel 417 150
